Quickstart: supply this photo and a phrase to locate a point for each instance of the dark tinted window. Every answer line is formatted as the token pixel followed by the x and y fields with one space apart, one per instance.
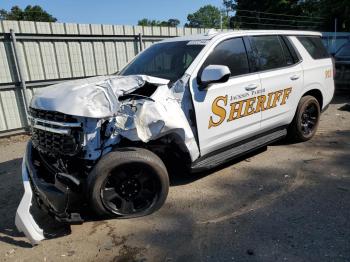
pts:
pixel 165 60
pixel 289 60
pixel 270 52
pixel 314 45
pixel 231 53
pixel 291 49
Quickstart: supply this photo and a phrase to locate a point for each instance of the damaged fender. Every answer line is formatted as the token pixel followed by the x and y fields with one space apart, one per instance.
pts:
pixel 153 119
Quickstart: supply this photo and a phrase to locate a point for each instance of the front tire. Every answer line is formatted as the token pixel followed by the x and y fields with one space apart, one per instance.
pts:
pixel 128 182
pixel 306 120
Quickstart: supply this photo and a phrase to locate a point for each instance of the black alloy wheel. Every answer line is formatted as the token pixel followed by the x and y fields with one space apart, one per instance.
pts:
pixel 309 119
pixel 306 120
pixel 130 189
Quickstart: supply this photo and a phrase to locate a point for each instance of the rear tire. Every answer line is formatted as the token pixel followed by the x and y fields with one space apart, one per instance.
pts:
pixel 128 182
pixel 306 120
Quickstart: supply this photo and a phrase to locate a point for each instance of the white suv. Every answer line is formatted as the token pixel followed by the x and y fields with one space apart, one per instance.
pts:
pixel 105 143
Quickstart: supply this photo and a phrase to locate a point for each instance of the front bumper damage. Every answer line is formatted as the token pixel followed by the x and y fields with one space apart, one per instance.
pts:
pixel 24 220
pixel 54 198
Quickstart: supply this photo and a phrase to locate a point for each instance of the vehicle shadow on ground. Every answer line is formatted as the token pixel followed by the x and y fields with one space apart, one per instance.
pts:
pixel 185 177
pixel 296 212
pixel 11 192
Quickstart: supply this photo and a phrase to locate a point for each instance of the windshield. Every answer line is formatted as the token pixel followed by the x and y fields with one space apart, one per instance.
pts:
pixel 164 60
pixel 344 51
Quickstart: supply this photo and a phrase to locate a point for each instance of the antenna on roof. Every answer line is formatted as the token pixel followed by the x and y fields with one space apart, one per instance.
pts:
pixel 211 31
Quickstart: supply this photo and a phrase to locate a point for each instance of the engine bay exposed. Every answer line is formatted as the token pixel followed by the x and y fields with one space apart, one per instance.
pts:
pixel 121 109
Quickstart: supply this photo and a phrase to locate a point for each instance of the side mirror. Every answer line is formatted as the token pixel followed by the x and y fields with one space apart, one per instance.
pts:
pixel 214 74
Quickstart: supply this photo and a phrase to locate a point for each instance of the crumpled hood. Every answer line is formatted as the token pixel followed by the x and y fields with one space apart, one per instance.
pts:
pixel 95 97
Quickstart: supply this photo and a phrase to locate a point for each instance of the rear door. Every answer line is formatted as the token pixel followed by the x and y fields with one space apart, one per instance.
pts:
pixel 281 78
pixel 225 112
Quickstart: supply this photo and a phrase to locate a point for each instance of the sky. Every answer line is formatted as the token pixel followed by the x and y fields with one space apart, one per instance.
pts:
pixel 114 11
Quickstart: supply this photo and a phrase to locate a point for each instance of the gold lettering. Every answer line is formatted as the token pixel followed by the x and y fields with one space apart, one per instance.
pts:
pixel 249 106
pixel 277 98
pixel 218 111
pixel 260 104
pixel 268 105
pixel 235 109
pixel 286 94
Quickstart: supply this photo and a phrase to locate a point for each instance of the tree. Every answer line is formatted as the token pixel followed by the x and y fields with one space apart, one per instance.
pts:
pixel 30 13
pixel 273 14
pixel 335 9
pixel 172 22
pixel 229 6
pixel 291 14
pixel 207 16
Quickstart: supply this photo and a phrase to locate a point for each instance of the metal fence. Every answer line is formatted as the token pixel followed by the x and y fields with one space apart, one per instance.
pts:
pixel 333 41
pixel 54 52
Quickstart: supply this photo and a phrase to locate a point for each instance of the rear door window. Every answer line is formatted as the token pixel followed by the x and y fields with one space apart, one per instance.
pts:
pixel 231 53
pixel 314 46
pixel 270 52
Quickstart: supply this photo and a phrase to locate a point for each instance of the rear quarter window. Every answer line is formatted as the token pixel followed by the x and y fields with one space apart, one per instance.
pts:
pixel 314 46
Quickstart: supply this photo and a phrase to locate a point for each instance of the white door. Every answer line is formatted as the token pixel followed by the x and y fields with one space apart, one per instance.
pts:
pixel 281 78
pixel 225 112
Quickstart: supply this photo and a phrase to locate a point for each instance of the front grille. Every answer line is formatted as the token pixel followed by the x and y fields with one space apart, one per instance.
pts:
pixel 51 116
pixel 57 144
pixel 55 133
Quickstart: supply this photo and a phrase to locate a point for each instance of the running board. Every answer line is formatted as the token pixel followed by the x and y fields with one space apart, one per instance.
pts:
pixel 237 150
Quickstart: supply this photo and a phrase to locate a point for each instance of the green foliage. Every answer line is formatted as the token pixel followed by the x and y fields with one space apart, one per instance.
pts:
pixel 207 16
pixel 316 14
pixel 171 22
pixel 335 9
pixel 30 13
pixel 230 4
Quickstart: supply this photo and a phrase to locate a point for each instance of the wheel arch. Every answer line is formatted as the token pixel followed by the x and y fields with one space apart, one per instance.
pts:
pixel 315 93
pixel 170 147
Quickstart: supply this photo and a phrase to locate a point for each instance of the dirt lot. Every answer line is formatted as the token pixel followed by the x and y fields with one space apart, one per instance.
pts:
pixel 289 202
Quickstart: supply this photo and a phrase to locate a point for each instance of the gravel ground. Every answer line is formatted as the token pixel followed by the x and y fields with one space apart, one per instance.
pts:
pixel 289 202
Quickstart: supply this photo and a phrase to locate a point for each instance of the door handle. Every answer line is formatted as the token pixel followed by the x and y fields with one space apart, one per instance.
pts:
pixel 251 87
pixel 294 77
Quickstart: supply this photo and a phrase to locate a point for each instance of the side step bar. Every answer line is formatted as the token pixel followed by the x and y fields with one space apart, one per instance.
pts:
pixel 237 150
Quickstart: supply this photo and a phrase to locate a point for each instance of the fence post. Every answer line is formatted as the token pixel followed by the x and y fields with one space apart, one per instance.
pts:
pixel 140 42
pixel 21 74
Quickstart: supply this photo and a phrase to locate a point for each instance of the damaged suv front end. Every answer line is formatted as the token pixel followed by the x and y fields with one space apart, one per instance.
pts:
pixel 75 124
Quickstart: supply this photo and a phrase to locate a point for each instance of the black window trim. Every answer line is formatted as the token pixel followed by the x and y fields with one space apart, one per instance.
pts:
pixel 246 46
pixel 291 47
pixel 250 37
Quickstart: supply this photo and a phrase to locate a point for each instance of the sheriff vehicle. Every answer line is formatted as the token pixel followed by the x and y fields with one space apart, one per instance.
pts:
pixel 104 143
